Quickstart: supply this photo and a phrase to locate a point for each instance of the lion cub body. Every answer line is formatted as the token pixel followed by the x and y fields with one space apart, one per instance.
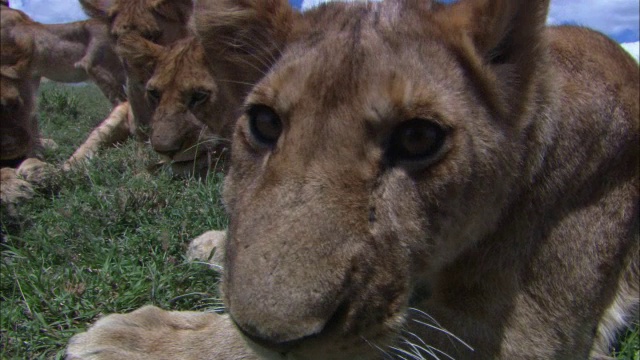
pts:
pixel 71 52
pixel 415 180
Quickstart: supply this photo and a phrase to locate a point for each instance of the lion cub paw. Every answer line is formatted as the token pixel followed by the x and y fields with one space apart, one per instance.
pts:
pixel 36 172
pixel 208 247
pixel 153 333
pixel 48 144
pixel 13 191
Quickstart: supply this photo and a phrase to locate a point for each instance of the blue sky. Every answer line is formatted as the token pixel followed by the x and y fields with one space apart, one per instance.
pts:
pixel 620 19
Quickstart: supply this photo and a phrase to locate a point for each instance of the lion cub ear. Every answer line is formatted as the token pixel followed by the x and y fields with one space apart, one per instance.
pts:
pixel 244 31
pixel 499 29
pixel 176 10
pixel 97 9
pixel 140 54
pixel 503 41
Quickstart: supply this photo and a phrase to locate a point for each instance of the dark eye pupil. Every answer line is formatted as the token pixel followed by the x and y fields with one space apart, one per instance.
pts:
pixel 198 97
pixel 417 139
pixel 265 124
pixel 154 94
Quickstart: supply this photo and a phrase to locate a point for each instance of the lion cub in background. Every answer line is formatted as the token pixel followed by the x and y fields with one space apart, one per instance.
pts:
pixel 412 179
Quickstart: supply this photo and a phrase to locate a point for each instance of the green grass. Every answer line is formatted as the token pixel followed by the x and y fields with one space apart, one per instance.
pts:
pixel 111 238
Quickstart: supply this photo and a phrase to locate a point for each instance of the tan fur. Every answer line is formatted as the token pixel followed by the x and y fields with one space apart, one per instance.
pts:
pixel 188 99
pixel 184 98
pixel 513 236
pixel 178 70
pixel 115 128
pixel 18 125
pixel 208 247
pixel 19 133
pixel 19 184
pixel 163 22
pixel 72 52
pixel 13 190
pixel 36 172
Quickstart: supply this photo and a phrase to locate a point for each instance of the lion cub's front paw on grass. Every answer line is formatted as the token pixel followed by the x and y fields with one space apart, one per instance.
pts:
pixel 151 333
pixel 13 190
pixel 36 172
pixel 208 247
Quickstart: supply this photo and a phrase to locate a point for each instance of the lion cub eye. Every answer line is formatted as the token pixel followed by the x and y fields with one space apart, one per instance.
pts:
pixel 265 125
pixel 198 97
pixel 152 35
pixel 153 94
pixel 416 140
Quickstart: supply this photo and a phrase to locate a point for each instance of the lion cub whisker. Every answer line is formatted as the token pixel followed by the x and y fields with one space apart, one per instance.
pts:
pixel 438 327
pixel 413 356
pixel 386 353
pixel 419 349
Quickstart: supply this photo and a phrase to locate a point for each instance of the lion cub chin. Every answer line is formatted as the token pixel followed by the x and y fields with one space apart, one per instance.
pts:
pixel 416 180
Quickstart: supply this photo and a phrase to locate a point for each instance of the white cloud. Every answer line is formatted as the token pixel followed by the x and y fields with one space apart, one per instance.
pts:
pixel 307 4
pixel 633 48
pixel 613 17
pixel 50 11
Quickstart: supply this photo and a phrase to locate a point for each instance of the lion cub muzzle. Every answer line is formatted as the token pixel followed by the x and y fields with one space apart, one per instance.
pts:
pixel 296 288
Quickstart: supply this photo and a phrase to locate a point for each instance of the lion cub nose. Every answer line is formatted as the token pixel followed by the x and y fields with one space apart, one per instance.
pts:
pixel 283 316
pixel 165 145
pixel 281 337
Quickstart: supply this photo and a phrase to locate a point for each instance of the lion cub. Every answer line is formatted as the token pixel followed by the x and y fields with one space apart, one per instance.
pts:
pixel 182 97
pixel 418 180
pixel 160 21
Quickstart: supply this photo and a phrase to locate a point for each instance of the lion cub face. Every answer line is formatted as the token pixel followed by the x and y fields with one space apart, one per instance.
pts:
pixel 358 158
pixel 188 108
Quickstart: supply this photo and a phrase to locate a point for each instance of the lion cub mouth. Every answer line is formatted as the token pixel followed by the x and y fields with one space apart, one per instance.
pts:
pixel 187 163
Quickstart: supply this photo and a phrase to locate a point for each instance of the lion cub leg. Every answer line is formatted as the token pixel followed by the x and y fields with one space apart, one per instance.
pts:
pixel 153 333
pixel 115 128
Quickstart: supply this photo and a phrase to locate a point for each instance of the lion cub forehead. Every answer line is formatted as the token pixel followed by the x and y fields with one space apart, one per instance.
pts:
pixel 374 82
pixel 357 55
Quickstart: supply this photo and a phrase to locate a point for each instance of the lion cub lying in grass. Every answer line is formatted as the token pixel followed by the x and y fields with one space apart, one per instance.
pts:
pixel 181 94
pixel 413 179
